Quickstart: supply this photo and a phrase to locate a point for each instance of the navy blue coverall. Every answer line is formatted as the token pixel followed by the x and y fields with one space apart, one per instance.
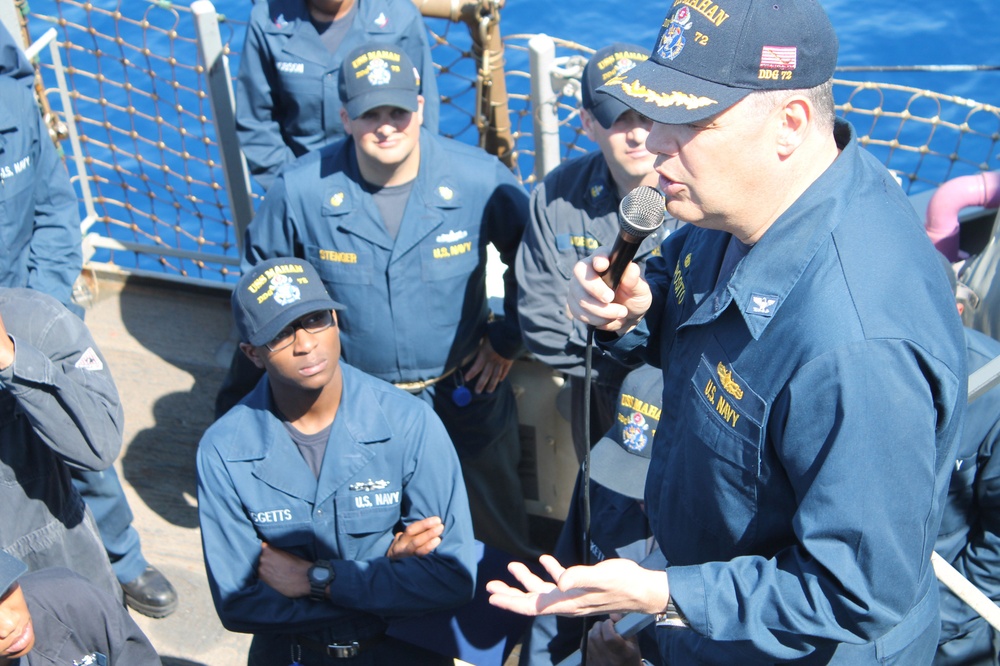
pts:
pixel 73 620
pixel 59 410
pixel 813 403
pixel 388 463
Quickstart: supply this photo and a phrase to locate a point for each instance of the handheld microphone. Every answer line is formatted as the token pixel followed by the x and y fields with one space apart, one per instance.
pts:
pixel 639 214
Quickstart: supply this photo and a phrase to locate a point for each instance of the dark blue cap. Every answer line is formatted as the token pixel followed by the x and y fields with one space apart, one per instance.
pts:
pixel 11 569
pixel 377 74
pixel 273 294
pixel 620 460
pixel 710 55
pixel 607 63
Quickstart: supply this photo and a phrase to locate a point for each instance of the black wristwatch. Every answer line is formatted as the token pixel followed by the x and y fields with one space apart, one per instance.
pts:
pixel 320 575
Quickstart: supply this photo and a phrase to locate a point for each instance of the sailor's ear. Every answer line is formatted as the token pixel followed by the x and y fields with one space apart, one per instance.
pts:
pixel 795 116
pixel 420 110
pixel 587 122
pixel 252 353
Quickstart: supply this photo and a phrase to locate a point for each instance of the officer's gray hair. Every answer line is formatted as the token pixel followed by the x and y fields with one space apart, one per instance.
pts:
pixel 762 102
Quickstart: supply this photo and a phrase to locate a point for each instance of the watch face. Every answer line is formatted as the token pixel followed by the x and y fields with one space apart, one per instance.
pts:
pixel 319 574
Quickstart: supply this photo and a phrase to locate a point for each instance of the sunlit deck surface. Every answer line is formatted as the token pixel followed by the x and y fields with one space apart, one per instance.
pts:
pixel 168 347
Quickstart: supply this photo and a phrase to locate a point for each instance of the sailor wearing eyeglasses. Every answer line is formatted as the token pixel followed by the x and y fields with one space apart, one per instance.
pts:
pixel 329 500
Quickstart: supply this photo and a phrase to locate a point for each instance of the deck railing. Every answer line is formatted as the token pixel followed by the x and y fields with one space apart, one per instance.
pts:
pixel 144 92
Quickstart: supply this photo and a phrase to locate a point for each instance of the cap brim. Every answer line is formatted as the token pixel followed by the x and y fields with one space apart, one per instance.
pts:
pixel 665 95
pixel 267 332
pixel 11 569
pixel 606 110
pixel 616 469
pixel 401 99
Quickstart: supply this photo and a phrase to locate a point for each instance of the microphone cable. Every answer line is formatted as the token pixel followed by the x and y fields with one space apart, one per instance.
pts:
pixel 640 214
pixel 585 480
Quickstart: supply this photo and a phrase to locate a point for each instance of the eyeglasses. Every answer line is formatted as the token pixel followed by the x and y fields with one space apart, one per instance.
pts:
pixel 312 323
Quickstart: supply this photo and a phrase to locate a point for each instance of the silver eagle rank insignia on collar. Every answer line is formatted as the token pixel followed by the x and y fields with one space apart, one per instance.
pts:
pixel 762 304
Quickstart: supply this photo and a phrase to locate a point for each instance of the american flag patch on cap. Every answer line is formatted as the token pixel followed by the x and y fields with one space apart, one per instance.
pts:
pixel 777 57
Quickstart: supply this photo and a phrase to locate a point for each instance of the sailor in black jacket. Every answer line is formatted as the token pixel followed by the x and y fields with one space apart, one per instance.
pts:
pixel 55 616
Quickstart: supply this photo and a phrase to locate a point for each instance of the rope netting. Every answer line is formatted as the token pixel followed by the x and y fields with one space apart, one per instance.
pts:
pixel 924 137
pixel 153 162
pixel 139 102
pixel 451 48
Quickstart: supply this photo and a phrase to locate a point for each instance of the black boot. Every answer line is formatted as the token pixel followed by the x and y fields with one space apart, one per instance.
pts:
pixel 151 594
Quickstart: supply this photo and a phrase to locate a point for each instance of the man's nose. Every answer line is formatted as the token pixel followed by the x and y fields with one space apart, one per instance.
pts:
pixel 663 139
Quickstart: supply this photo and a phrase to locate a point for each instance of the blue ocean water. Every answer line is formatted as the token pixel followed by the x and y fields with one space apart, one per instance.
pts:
pixel 874 33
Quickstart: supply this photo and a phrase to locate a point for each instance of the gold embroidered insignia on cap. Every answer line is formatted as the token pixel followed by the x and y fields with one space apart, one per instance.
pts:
pixel 706 8
pixel 268 277
pixel 285 292
pixel 663 100
pixel 379 72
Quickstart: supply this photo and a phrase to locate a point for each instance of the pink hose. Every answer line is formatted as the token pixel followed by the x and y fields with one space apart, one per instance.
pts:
pixel 981 189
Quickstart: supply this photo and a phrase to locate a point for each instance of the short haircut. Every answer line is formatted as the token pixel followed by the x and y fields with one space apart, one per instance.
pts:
pixel 820 97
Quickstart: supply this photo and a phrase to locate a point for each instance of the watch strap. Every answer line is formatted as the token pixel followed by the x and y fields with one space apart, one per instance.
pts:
pixel 317 588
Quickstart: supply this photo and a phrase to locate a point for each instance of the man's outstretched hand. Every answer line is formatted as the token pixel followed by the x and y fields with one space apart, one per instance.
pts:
pixel 611 586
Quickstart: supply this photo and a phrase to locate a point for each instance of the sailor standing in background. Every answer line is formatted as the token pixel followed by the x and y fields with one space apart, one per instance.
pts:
pixel 39 219
pixel 574 210
pixel 397 221
pixel 814 379
pixel 969 538
pixel 40 226
pixel 286 90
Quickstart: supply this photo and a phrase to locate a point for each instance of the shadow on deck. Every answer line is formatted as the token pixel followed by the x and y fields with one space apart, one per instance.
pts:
pixel 164 344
